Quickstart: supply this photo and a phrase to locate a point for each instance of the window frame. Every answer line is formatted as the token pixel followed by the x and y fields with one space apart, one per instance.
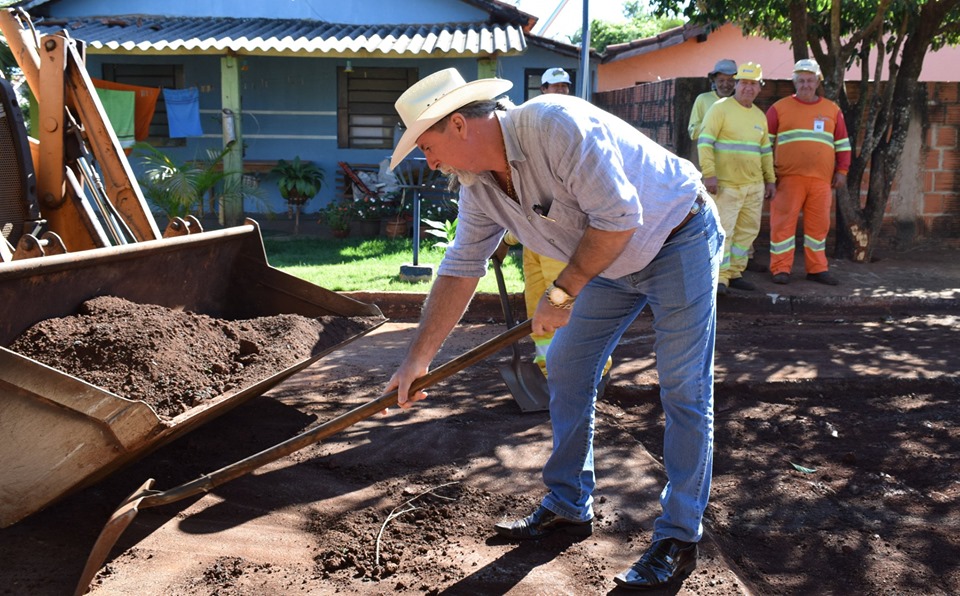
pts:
pixel 359 94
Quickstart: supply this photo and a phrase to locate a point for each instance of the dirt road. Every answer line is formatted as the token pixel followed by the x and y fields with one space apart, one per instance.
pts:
pixel 836 471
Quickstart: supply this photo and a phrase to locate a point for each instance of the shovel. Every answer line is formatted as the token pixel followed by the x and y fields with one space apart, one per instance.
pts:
pixel 524 379
pixel 145 497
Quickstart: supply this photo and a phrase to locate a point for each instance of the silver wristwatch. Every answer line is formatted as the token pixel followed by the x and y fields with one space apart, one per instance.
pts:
pixel 558 297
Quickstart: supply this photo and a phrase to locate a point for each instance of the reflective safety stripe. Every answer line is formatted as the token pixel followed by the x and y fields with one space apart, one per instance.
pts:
pixel 793 136
pixel 778 248
pixel 739 251
pixel 814 244
pixel 751 148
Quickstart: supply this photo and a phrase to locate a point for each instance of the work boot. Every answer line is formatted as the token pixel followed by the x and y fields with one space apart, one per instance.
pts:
pixel 741 284
pixel 781 278
pixel 824 277
pixel 721 289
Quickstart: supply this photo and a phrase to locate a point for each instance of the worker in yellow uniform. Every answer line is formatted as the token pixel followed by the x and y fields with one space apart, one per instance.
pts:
pixel 721 85
pixel 736 158
pixel 540 271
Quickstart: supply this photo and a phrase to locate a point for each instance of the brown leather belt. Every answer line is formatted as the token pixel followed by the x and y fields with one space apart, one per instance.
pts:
pixel 697 206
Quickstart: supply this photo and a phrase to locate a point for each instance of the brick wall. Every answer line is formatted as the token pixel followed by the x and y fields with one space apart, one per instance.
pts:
pixel 924 203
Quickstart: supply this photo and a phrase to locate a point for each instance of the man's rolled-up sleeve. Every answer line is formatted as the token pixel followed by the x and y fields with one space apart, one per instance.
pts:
pixel 477 237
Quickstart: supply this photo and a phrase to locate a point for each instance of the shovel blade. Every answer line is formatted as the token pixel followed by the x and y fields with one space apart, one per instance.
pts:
pixel 118 522
pixel 527 385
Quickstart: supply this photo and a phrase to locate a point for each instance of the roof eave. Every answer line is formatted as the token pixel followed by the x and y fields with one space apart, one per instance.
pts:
pixel 666 39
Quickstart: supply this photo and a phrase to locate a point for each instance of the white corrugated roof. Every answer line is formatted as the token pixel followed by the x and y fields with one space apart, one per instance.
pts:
pixel 213 35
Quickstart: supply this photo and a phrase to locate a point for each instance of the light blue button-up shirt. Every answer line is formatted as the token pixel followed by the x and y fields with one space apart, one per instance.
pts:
pixel 573 165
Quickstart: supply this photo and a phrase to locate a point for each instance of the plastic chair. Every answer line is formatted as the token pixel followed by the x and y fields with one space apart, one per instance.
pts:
pixel 415 176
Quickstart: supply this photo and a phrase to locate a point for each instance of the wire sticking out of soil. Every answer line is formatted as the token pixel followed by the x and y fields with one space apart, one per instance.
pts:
pixel 175 360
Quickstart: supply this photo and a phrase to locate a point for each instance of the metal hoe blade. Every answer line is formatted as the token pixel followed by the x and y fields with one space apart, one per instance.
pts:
pixel 145 497
pixel 524 379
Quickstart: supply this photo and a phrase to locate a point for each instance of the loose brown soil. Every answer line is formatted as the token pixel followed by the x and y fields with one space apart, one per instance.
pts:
pixel 175 360
pixel 842 482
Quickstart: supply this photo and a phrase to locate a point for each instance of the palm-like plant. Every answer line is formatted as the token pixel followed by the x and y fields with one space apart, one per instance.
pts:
pixel 178 188
pixel 299 181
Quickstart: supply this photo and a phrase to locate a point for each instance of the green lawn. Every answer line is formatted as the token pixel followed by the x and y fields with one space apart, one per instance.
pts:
pixel 372 264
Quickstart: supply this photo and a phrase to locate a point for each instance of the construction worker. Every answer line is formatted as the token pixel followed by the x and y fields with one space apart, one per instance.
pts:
pixel 736 159
pixel 812 156
pixel 539 271
pixel 721 85
pixel 555 80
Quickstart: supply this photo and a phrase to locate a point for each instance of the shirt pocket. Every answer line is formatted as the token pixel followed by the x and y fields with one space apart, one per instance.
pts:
pixel 562 216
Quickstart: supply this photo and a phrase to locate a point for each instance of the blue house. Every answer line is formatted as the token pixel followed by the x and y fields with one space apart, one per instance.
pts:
pixel 308 78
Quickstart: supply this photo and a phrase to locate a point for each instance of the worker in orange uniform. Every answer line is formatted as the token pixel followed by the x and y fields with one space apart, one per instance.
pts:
pixel 539 272
pixel 812 156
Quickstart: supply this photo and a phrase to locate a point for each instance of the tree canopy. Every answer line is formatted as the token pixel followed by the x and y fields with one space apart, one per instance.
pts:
pixel 641 23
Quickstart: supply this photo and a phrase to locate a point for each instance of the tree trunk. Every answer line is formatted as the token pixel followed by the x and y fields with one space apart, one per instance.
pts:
pixel 858 228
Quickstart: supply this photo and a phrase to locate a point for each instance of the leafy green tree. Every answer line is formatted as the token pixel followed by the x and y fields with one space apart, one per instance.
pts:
pixel 896 34
pixel 640 24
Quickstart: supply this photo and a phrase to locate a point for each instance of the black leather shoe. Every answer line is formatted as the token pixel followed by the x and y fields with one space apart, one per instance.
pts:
pixel 666 562
pixel 543 522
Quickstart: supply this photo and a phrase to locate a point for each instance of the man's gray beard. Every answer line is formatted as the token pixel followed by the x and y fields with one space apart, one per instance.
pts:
pixel 461 176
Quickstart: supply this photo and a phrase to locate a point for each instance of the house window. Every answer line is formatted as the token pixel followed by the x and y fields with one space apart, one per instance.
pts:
pixel 366 117
pixel 168 76
pixel 532 78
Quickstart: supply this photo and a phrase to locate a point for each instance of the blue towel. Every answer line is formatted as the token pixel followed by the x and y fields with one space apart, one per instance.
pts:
pixel 183 112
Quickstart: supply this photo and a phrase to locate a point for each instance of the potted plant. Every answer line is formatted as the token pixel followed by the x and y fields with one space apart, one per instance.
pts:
pixel 299 181
pixel 398 221
pixel 337 216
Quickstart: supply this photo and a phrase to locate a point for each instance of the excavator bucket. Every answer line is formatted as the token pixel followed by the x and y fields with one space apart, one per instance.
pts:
pixel 74 225
pixel 59 433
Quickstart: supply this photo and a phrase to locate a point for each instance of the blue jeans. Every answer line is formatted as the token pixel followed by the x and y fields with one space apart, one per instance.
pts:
pixel 680 287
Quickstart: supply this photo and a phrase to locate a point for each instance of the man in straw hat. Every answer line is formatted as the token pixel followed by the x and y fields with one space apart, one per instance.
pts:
pixel 636 227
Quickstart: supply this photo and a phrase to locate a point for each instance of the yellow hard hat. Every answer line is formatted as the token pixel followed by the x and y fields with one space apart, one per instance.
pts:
pixel 749 71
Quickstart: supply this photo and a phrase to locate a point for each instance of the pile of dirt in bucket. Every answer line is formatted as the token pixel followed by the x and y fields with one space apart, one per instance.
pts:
pixel 175 360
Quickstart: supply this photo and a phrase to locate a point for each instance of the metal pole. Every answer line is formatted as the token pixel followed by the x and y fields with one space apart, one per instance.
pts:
pixel 416 227
pixel 585 53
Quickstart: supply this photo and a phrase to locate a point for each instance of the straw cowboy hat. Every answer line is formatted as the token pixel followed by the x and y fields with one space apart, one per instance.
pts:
pixel 428 101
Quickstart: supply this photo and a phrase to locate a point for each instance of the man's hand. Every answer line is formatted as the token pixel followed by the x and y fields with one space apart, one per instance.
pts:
pixel 711 185
pixel 446 303
pixel 839 180
pixel 769 190
pixel 548 318
pixel 401 380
